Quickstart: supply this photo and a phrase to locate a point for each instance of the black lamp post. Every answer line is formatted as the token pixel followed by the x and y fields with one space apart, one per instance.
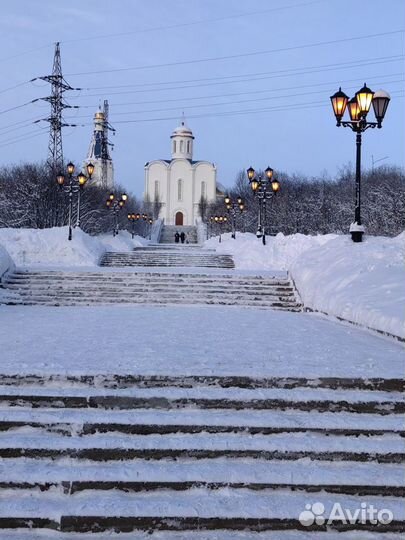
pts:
pixel 234 208
pixel 75 185
pixel 264 188
pixel 359 107
pixel 116 205
pixel 132 219
pixel 219 220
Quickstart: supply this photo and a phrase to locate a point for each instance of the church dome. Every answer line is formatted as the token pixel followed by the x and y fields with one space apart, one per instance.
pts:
pixel 183 131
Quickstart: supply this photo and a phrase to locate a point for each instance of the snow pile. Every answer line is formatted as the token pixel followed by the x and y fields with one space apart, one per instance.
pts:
pixel 363 283
pixel 6 263
pixel 278 254
pixel 52 247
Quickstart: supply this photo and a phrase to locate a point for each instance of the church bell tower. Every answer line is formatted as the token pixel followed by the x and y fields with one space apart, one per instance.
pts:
pixel 182 142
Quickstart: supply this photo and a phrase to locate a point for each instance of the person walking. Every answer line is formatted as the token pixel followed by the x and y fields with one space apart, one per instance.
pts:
pixel 183 237
pixel 176 237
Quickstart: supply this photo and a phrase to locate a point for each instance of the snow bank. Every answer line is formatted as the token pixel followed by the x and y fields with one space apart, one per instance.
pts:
pixel 363 283
pixel 6 263
pixel 52 247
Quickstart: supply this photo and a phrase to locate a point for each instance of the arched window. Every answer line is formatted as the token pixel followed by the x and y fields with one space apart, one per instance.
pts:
pixel 174 147
pixel 203 189
pixel 181 146
pixel 156 189
pixel 179 189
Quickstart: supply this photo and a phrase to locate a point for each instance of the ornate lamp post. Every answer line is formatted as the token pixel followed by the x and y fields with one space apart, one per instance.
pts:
pixel 234 208
pixel 264 188
pixel 359 106
pixel 219 220
pixel 132 219
pixel 75 184
pixel 116 205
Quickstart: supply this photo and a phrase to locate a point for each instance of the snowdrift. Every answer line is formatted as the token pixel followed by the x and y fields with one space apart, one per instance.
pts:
pixel 362 283
pixel 50 247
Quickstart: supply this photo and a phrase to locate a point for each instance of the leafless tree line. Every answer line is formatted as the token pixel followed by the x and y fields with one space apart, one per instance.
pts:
pixel 324 205
pixel 30 198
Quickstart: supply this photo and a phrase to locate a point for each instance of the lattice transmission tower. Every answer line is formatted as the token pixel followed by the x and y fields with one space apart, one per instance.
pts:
pixel 58 87
pixel 105 145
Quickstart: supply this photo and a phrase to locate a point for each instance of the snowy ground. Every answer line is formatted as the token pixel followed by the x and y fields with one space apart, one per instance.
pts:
pixel 363 283
pixel 47 247
pixel 190 340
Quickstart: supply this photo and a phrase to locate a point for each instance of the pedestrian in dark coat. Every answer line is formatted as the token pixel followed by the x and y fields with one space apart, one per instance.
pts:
pixel 183 237
pixel 176 237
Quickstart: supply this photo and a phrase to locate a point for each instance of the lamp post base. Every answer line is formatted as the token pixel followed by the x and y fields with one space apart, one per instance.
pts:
pixel 357 236
pixel 356 232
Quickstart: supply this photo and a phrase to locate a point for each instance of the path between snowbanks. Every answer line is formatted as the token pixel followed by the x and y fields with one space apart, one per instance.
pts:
pixel 361 283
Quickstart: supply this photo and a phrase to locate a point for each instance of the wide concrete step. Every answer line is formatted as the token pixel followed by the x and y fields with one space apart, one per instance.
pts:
pixel 48 301
pixel 162 402
pixel 199 510
pixel 279 292
pixel 239 382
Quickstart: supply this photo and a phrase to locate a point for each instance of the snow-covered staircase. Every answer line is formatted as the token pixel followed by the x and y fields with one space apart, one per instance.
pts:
pixel 201 457
pixel 71 288
pixel 163 256
pixel 168 232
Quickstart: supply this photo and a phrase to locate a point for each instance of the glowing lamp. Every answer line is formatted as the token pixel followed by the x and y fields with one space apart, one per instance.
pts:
pixel 269 173
pixel 227 200
pixel 364 98
pixel 82 179
pixel 339 103
pixel 124 197
pixel 254 184
pixel 275 185
pixel 70 168
pixel 111 196
pixel 60 179
pixel 90 169
pixel 354 110
pixel 251 173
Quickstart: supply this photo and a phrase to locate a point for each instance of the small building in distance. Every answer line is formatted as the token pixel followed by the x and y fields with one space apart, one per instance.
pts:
pixel 178 184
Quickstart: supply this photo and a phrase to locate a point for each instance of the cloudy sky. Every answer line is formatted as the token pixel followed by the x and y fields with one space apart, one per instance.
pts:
pixel 252 77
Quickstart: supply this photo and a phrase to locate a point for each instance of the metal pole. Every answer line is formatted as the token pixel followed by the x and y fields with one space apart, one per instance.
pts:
pixel 357 235
pixel 78 207
pixel 233 224
pixel 70 211
pixel 264 218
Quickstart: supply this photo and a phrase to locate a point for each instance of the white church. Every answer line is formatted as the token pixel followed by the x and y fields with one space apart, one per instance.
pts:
pixel 179 183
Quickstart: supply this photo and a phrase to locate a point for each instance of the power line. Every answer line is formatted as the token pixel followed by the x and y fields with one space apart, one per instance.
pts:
pixel 308 105
pixel 252 92
pixel 194 23
pixel 241 55
pixel 342 65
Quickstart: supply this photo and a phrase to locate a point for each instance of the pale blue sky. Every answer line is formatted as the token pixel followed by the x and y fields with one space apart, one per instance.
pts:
pixel 303 139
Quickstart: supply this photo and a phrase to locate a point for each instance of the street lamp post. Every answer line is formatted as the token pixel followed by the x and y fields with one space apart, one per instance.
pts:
pixel 264 188
pixel 234 208
pixel 132 219
pixel 359 106
pixel 75 185
pixel 116 205
pixel 219 220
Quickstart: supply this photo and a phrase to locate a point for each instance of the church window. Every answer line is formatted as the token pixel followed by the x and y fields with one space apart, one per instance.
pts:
pixel 181 146
pixel 156 189
pixel 174 147
pixel 179 189
pixel 203 189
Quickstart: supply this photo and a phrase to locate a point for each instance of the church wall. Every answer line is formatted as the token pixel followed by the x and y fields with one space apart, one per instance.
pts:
pixel 205 172
pixel 181 170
